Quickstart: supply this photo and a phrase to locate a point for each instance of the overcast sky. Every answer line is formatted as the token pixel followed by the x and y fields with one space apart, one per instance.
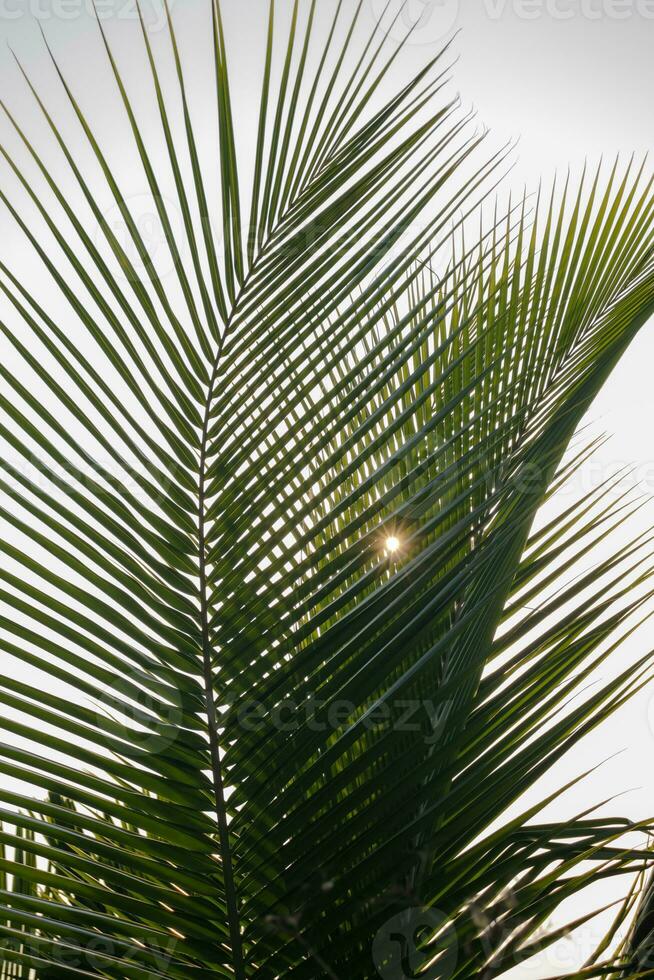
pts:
pixel 572 80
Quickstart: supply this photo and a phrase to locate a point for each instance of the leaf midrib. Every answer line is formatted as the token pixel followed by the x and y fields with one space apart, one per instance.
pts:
pixel 231 894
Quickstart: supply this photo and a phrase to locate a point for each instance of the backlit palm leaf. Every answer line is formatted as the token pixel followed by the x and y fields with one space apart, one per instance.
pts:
pixel 268 744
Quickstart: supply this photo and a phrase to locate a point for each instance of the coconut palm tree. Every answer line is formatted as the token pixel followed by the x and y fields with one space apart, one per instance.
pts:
pixel 285 644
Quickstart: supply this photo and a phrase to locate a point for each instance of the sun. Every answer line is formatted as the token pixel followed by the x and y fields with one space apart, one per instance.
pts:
pixel 392 544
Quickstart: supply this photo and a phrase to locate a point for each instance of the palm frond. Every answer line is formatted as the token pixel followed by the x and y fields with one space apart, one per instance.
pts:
pixel 249 738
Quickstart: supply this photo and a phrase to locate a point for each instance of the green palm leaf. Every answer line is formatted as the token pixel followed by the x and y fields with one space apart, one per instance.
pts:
pixel 291 653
